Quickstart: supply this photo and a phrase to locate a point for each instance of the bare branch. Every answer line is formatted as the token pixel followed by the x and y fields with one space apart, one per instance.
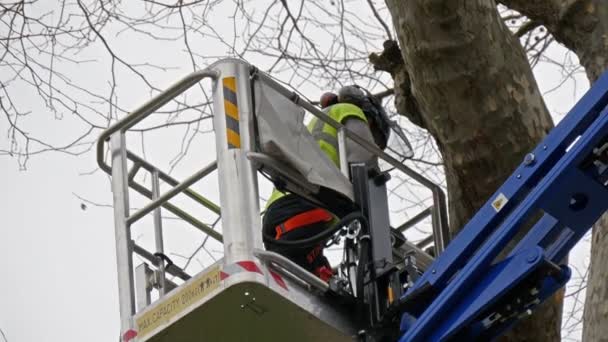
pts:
pixel 380 20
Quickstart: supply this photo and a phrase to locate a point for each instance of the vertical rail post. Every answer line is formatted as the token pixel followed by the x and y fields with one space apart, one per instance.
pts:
pixel 441 231
pixel 342 152
pixel 234 132
pixel 158 233
pixel 143 273
pixel 124 251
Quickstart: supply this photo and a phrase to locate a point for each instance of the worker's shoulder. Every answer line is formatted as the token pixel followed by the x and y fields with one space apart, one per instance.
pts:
pixel 345 106
pixel 341 111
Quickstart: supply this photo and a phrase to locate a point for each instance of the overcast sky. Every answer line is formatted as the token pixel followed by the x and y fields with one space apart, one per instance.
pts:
pixel 57 257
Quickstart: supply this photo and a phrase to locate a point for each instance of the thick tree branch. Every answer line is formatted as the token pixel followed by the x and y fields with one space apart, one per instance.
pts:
pixel 581 25
pixel 527 27
pixel 544 11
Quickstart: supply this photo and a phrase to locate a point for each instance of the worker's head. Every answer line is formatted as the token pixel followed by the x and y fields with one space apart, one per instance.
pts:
pixel 328 99
pixel 377 118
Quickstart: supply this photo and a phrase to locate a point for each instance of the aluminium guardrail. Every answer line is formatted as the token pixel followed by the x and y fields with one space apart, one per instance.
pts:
pixel 123 178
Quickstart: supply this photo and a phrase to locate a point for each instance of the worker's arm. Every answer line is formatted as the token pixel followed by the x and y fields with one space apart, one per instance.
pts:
pixel 354 152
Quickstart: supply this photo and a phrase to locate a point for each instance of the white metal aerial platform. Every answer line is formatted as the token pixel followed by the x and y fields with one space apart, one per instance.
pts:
pixel 250 294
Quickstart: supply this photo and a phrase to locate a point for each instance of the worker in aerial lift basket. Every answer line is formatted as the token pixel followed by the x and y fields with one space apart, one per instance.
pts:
pixel 290 217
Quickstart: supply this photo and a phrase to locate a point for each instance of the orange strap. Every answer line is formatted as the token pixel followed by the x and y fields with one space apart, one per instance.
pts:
pixel 303 219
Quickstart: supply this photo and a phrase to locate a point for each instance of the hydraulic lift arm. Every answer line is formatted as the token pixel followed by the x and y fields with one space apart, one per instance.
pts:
pixel 466 293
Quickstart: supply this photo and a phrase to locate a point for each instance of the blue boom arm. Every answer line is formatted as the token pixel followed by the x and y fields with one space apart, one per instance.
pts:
pixel 560 191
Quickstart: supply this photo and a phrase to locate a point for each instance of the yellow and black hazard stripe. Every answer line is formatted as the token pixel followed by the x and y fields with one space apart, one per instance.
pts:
pixel 231 107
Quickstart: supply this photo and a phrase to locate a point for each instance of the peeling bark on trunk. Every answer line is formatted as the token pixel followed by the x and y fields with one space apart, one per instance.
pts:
pixel 582 26
pixel 474 91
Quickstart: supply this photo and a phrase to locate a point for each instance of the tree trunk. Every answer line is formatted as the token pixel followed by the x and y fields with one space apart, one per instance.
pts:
pixel 474 91
pixel 595 317
pixel 582 26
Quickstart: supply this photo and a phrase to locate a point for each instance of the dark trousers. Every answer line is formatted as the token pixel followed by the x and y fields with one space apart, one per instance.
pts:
pixel 310 258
